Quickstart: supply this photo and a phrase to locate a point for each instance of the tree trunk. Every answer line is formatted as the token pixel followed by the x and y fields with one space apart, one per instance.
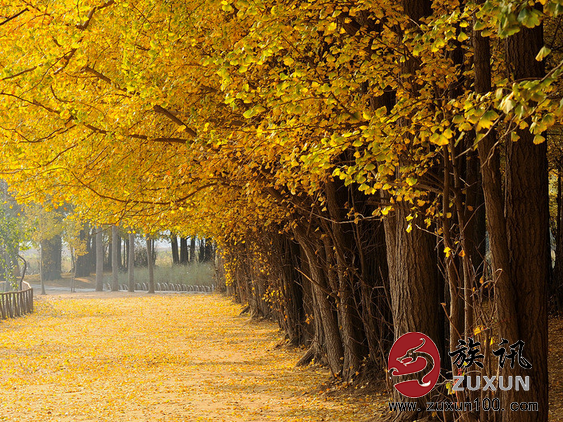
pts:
pixel 99 259
pixel 116 247
pixel 192 249
pixel 201 250
pixel 414 282
pixel 51 258
pixel 126 253
pixel 324 302
pixel 174 244
pixel 92 251
pixel 183 250
pixel 119 248
pixel 353 336
pixel 150 264
pixel 293 318
pixel 131 262
pixel 41 274
pixel 208 251
pixel 557 280
pixel 375 302
pixel 527 222
pixel 414 285
pixel 518 229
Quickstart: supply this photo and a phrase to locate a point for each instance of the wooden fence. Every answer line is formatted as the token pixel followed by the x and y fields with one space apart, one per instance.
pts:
pixel 15 304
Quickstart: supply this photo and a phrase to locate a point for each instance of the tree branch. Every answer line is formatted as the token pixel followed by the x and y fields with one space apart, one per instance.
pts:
pixel 171 116
pixel 13 17
pixel 23 72
pixel 91 14
pixel 157 109
pixel 133 201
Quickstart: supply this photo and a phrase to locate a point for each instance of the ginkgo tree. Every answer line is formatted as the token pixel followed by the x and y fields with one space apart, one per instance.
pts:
pixel 346 156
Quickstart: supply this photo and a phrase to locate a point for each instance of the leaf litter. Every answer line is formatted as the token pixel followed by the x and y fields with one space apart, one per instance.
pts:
pixel 127 357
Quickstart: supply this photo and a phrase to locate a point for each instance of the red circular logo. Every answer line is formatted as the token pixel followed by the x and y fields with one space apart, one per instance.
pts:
pixel 413 353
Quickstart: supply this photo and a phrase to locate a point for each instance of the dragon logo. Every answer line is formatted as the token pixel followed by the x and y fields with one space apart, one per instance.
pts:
pixel 413 353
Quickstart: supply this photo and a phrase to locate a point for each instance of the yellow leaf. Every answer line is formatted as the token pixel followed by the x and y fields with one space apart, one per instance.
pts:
pixel 288 61
pixel 538 139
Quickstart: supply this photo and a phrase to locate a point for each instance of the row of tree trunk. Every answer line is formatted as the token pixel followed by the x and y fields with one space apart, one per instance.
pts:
pixel 84 265
pixel 349 288
pixel 198 250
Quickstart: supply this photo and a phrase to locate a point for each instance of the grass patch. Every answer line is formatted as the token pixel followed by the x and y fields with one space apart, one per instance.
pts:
pixel 195 274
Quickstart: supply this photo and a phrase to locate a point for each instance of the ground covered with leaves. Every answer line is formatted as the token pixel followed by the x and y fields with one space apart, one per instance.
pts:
pixel 134 357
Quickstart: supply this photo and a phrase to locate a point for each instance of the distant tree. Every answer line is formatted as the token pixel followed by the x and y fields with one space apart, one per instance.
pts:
pixel 116 247
pixel 192 249
pixel 174 244
pixel 150 264
pixel 183 250
pixel 82 265
pixel 131 262
pixel 99 259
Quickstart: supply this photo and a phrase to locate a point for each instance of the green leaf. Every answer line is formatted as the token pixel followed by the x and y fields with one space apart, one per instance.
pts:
pixel 543 53
pixel 548 120
pixel 487 120
pixel 479 26
pixel 458 119
pixel 530 18
pixel 462 37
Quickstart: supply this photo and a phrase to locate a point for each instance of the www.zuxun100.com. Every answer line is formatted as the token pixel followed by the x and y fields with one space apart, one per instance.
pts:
pixel 476 405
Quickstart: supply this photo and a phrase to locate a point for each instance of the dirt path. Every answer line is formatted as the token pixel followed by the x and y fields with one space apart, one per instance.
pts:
pixel 122 357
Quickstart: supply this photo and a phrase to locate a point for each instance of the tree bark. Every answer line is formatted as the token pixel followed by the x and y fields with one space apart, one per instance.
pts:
pixel 150 264
pixel 51 258
pixel 375 302
pixel 351 327
pixel 527 222
pixel 557 279
pixel 414 282
pixel 325 303
pixel 414 285
pixel 183 250
pixel 99 259
pixel 116 246
pixel 119 248
pixel 41 274
pixel 201 257
pixel 174 244
pixel 208 251
pixel 82 265
pixel 518 228
pixel 192 249
pixel 131 262
pixel 293 318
